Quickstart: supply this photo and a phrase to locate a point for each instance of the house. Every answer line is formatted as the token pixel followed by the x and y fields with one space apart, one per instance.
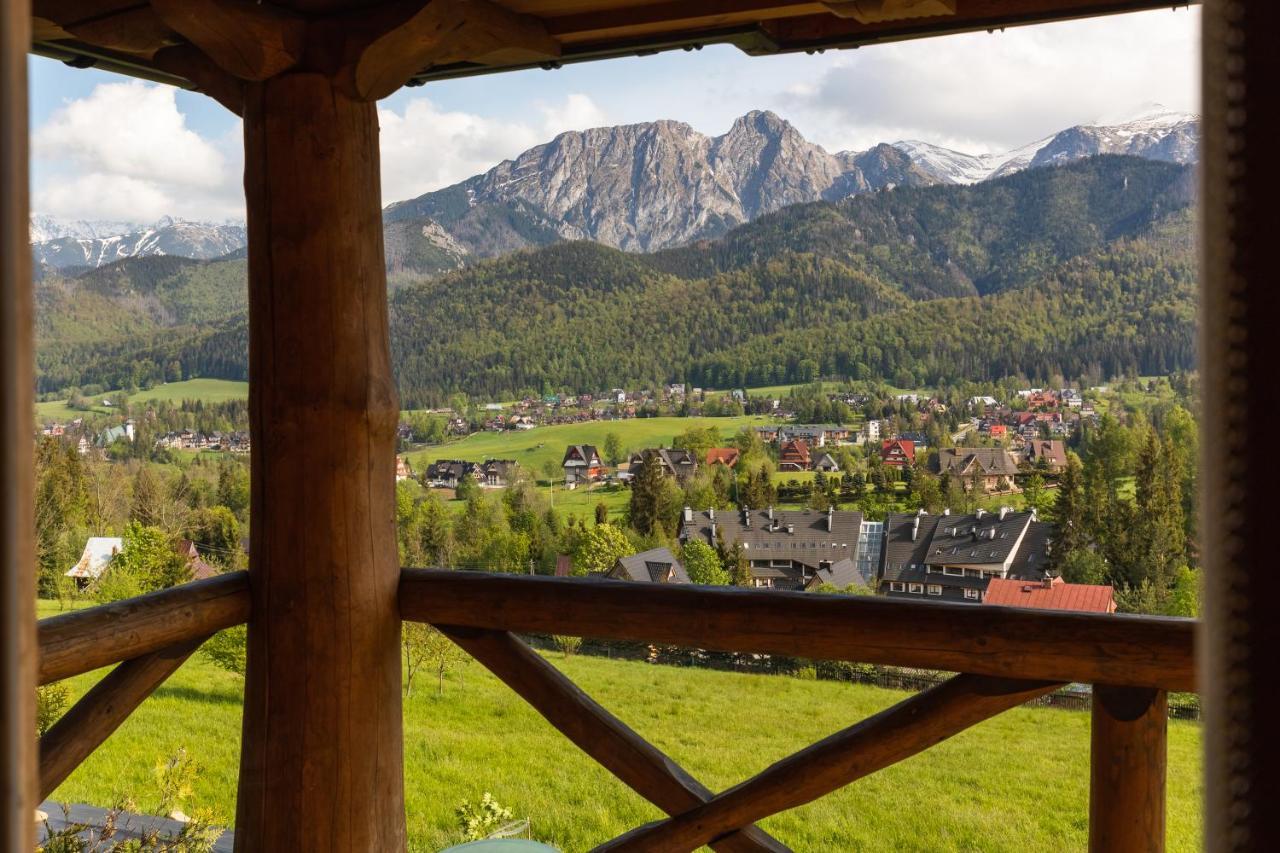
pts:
pixel 983 402
pixel 111 435
pixel 404 470
pixel 898 452
pixel 954 557
pixel 657 565
pixel 815 435
pixel 196 566
pixel 727 456
pixel 678 462
pixel 447 473
pixel 97 555
pixel 496 473
pixel 786 549
pixel 919 439
pixel 993 468
pixel 1047 453
pixel 998 431
pixel 581 464
pixel 794 456
pixel 1051 594
pixel 827 464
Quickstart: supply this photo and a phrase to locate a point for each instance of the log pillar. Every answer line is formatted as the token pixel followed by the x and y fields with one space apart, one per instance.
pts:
pixel 17 469
pixel 1127 770
pixel 321 760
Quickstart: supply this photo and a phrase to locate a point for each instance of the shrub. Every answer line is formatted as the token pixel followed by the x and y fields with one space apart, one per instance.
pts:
pixel 477 823
pixel 51 699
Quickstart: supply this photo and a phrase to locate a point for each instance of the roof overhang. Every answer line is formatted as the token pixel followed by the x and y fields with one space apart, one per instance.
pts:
pixel 124 36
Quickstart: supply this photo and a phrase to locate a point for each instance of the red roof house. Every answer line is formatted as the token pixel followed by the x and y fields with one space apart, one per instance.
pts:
pixel 898 452
pixel 1050 594
pixel 794 456
pixel 723 456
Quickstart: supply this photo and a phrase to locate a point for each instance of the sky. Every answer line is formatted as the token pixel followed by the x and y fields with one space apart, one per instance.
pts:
pixel 107 147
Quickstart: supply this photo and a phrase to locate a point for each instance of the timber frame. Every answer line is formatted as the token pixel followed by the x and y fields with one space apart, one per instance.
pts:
pixel 322 746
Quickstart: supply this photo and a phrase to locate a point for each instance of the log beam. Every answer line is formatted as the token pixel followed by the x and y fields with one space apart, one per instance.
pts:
pixel 74 643
pixel 895 734
pixel 1128 756
pixel 17 466
pixel 321 757
pixel 878 11
pixel 252 41
pixel 417 35
pixel 633 760
pixel 100 712
pixel 1000 641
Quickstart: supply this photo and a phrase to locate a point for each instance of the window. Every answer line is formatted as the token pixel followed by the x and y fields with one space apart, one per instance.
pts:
pixel 954 571
pixel 935 589
pixel 895 586
pixel 972 595
pixel 972 573
pixel 916 588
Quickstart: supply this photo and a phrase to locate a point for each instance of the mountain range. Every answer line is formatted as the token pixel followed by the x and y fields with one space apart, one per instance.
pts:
pixel 640 188
pixel 1085 269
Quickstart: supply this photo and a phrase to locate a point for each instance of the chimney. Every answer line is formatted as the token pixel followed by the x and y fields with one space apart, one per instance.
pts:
pixel 921 511
pixel 688 514
pixel 711 513
pixel 831 518
pixel 771 512
pixel 791 528
pixel 915 528
pixel 713 531
pixel 1004 511
pixel 980 513
pixel 947 511
pixel 746 516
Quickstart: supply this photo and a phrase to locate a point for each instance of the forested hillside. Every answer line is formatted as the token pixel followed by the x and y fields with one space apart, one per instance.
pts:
pixel 1087 268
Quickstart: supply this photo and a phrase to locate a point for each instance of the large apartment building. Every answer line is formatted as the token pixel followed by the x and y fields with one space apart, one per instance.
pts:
pixel 954 557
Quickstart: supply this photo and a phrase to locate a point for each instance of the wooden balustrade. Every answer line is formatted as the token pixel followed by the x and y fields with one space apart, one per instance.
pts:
pixel 1007 656
pixel 84 640
pixel 1091 648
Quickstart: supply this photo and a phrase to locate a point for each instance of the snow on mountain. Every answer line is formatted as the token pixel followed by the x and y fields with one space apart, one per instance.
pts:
pixel 92 244
pixel 1155 133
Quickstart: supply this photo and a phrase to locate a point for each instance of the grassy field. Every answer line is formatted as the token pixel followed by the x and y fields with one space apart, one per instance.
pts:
pixel 1018 782
pixel 533 448
pixel 208 390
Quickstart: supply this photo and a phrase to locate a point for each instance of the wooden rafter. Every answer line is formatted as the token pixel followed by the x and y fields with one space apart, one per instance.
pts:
pixel 999 641
pixel 633 760
pixel 74 643
pixel 191 64
pixel 100 712
pixel 876 11
pixel 895 734
pixel 252 41
pixel 417 35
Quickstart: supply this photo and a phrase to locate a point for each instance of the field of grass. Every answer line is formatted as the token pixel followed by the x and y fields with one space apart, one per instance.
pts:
pixel 208 390
pixel 1017 782
pixel 533 448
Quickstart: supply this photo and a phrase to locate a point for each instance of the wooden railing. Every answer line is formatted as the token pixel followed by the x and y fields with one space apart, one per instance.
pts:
pixel 1005 657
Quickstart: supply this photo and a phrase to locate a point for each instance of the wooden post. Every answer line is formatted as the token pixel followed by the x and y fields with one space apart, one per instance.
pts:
pixel 17 524
pixel 1127 770
pixel 321 760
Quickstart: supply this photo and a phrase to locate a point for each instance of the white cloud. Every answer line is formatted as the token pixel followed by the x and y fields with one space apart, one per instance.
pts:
pixel 425 148
pixel 984 92
pixel 125 152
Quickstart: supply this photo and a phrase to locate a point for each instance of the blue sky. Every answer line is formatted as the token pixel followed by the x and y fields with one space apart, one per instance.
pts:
pixel 105 147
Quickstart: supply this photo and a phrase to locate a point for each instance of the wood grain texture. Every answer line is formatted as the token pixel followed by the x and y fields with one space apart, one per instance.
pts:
pixel 252 41
pixel 191 64
pixel 634 761
pixel 894 734
pixel 17 465
pixel 100 712
pixel 321 763
pixel 1127 770
pixel 998 641
pixel 444 31
pixel 84 640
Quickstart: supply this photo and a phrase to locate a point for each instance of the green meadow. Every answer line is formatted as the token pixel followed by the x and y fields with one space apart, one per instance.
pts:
pixel 1017 782
pixel 208 390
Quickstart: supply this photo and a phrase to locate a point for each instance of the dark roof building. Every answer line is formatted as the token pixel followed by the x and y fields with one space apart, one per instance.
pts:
pixel 496 472
pixel 993 468
pixel 954 557
pixel 657 565
pixel 786 549
pixel 679 463
pixel 449 472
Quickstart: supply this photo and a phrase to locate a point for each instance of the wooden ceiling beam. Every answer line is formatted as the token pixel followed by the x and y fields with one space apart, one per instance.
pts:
pixel 135 30
pixel 875 11
pixel 252 41
pixel 441 32
pixel 657 17
pixel 190 63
